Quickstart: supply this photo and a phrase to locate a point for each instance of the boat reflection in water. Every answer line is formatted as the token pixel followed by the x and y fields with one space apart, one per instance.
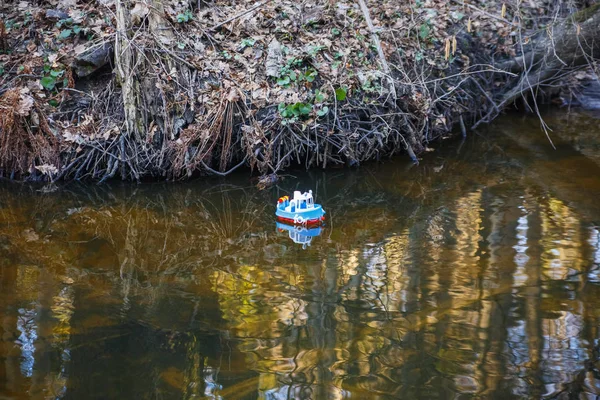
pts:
pixel 300 234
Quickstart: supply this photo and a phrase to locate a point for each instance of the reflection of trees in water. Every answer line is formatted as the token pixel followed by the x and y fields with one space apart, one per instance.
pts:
pixel 402 315
pixel 35 312
pixel 489 291
pixel 129 248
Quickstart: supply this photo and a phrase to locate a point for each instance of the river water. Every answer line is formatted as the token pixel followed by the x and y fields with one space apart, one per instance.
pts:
pixel 473 274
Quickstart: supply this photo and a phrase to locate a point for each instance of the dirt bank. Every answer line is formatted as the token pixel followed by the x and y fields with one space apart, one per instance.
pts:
pixel 169 89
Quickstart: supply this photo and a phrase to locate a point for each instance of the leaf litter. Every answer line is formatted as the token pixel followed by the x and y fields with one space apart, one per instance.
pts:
pixel 265 84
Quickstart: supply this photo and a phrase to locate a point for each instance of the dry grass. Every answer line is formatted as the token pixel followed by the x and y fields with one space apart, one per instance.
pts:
pixel 24 146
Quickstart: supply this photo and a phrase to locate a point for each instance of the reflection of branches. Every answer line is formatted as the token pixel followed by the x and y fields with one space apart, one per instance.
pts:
pixel 577 386
pixel 224 221
pixel 152 234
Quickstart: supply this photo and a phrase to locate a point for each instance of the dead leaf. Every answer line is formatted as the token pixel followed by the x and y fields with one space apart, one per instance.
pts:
pixel 67 280
pixel 25 105
pixel 30 236
pixel 139 12
pixel 233 95
pixel 274 59
pixel 66 4
pixel 47 169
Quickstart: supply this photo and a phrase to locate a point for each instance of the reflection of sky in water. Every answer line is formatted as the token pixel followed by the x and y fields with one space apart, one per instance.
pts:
pixel 62 312
pixel 521 257
pixel 302 392
pixel 594 241
pixel 211 385
pixel 564 354
pixel 28 328
pixel 518 350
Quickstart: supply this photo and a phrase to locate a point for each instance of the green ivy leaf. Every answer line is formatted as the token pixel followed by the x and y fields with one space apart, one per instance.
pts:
pixel 341 94
pixel 48 82
pixel 304 108
pixel 283 81
pixel 323 111
pixel 294 110
pixel 311 75
pixel 56 74
pixel 285 111
pixel 65 33
pixel 185 17
pixel 248 42
pixel 319 96
pixel 53 103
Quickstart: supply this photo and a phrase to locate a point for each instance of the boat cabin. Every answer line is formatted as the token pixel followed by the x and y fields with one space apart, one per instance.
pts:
pixel 300 201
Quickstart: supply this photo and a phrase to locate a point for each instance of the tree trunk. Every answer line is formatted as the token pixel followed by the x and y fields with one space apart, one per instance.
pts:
pixel 142 94
pixel 124 65
pixel 573 42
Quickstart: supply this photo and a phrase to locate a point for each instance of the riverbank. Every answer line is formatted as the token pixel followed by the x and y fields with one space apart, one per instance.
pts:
pixel 170 90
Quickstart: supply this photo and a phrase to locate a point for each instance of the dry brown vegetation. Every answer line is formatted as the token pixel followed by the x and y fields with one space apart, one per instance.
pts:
pixel 169 89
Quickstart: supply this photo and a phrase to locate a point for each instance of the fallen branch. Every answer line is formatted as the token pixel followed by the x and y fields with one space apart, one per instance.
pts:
pixel 574 42
pixel 377 43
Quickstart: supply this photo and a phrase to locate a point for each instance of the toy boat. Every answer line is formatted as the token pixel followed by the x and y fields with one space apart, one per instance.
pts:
pixel 301 210
pixel 300 234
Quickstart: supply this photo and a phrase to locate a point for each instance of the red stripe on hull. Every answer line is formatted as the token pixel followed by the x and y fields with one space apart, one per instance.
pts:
pixel 310 222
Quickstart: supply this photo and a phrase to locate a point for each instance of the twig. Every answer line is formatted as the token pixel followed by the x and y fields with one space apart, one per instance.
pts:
pixel 463 129
pixel 486 94
pixel 172 54
pixel 110 171
pixel 463 73
pixel 66 169
pixel 248 11
pixel 83 164
pixel 223 173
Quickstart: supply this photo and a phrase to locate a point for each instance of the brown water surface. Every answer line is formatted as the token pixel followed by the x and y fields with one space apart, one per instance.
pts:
pixel 473 274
